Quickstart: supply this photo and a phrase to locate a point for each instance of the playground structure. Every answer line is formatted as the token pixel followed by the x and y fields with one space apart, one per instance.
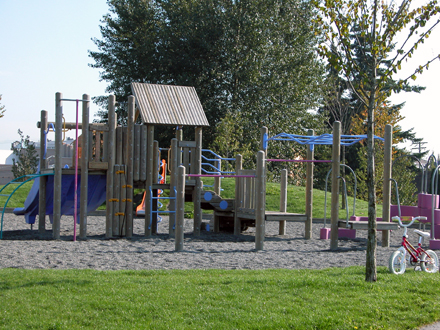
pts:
pixel 127 157
pixel 249 204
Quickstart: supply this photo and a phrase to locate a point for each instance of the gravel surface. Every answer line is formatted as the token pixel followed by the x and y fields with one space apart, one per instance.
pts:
pixel 25 248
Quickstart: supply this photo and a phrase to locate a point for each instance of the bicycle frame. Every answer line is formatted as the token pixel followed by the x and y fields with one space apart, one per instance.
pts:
pixel 414 253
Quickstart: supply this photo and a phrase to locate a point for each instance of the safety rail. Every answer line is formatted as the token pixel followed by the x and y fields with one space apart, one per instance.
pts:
pixel 15 181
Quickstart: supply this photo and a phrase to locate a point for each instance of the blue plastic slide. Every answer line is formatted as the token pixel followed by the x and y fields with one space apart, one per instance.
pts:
pixel 95 196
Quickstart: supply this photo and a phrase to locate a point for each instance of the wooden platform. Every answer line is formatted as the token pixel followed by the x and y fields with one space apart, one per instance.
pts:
pixel 363 225
pixel 274 216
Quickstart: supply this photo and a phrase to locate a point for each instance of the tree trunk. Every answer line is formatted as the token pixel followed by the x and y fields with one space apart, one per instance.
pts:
pixel 343 206
pixel 371 271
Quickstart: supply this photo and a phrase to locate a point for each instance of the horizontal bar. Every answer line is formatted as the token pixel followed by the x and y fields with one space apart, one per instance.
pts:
pixel 220 176
pixel 163 198
pixel 298 160
pixel 74 100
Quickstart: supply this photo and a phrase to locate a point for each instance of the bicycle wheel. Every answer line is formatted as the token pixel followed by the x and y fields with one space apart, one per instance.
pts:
pixel 397 263
pixel 429 262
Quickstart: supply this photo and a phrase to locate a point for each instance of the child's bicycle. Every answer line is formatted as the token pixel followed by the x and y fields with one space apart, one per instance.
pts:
pixel 427 260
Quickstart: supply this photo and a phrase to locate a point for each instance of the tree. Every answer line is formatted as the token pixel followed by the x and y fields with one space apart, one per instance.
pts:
pixel 254 60
pixel 26 160
pixel 379 24
pixel 2 108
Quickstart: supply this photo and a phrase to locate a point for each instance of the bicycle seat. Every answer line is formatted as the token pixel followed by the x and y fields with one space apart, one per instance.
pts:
pixel 422 233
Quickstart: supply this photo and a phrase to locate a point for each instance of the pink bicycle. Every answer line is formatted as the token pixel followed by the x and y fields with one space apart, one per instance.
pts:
pixel 427 260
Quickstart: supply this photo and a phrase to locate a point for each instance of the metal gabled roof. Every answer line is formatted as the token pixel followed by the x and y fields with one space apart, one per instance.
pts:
pixel 169 105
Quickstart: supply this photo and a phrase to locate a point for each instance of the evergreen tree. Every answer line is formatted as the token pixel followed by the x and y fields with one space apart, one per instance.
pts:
pixel 26 160
pixel 254 60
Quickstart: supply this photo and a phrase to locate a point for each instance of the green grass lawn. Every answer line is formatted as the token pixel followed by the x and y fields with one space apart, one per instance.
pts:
pixel 296 197
pixel 336 298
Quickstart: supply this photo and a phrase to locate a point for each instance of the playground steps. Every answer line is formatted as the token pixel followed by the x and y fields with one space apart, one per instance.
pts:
pixel 211 201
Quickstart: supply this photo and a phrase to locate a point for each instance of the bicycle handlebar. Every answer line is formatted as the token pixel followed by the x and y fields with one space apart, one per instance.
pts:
pixel 410 223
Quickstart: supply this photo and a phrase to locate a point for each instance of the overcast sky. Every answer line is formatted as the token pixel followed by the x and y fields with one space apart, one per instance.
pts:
pixel 44 50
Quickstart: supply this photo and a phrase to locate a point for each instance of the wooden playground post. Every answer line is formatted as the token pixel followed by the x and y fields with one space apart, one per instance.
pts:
pixel 122 201
pixel 237 224
pixel 180 207
pixel 155 202
pixel 174 164
pixel 137 148
pixel 84 166
pixel 116 199
pixel 43 179
pixel 129 167
pixel 58 169
pixel 283 200
pixel 260 200
pixel 263 131
pixel 309 189
pixel 149 181
pixel 197 192
pixel 143 154
pixel 111 164
pixel 335 185
pixel 386 204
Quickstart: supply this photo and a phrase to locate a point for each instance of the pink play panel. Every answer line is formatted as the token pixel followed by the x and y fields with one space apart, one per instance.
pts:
pixel 342 233
pixel 434 244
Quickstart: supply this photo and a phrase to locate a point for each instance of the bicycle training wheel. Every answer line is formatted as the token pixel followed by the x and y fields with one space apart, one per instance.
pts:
pixel 397 263
pixel 429 264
